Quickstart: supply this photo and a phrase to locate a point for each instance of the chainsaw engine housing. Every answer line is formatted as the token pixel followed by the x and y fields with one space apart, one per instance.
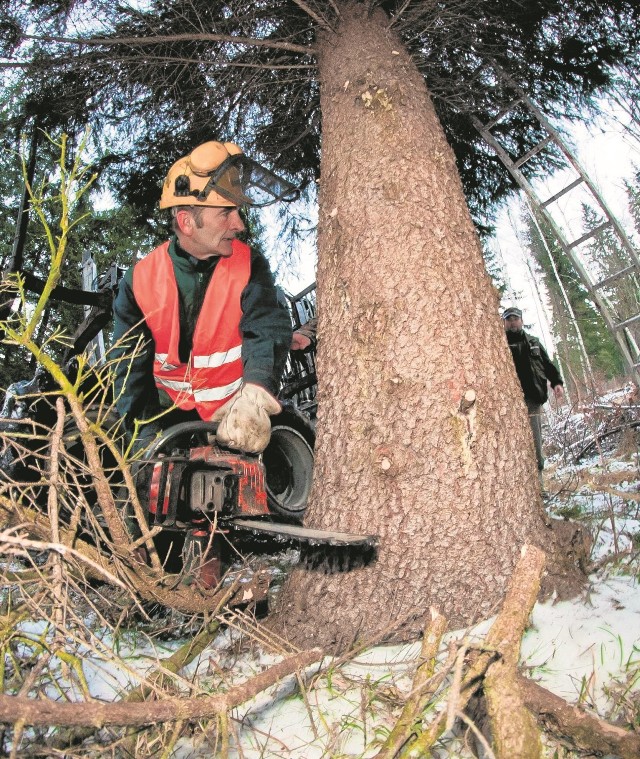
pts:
pixel 206 481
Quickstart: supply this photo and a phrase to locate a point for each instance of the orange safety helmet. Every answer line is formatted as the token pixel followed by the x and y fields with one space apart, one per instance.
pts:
pixel 188 181
pixel 219 174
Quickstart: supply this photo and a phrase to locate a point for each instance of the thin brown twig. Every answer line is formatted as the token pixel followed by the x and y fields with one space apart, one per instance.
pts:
pixel 478 734
pixel 98 714
pixel 22 542
pixel 454 692
pixel 320 20
pixel 168 38
pixel 424 685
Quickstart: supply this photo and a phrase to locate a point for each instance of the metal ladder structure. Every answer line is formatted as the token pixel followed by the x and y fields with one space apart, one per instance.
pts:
pixel 625 327
pixel 95 349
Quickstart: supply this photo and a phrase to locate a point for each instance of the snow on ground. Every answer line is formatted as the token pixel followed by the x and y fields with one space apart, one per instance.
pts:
pixel 577 649
pixel 586 650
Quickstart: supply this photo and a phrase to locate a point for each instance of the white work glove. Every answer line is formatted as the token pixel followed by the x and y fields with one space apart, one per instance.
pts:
pixel 244 420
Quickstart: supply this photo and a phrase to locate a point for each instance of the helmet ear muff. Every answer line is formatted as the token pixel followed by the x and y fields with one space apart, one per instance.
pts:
pixel 189 176
pixel 206 158
pixel 182 186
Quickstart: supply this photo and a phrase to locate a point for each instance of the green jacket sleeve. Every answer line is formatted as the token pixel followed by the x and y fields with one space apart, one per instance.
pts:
pixel 132 353
pixel 265 326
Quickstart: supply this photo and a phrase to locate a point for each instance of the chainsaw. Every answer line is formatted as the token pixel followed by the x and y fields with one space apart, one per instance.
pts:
pixel 212 494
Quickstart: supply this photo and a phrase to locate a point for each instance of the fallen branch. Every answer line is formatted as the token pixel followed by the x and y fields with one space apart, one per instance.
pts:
pixel 507 628
pixel 622 494
pixel 22 544
pixel 615 407
pixel 599 437
pixel 183 656
pixel 514 730
pixel 159 678
pixel 405 728
pixel 29 711
pixel 13 514
pixel 566 722
pixel 144 581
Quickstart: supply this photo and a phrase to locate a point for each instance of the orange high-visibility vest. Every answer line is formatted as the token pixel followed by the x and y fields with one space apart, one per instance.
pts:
pixel 214 370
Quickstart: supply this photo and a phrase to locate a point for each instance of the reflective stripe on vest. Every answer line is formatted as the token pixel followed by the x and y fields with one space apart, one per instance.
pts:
pixel 202 395
pixel 200 362
pixel 214 371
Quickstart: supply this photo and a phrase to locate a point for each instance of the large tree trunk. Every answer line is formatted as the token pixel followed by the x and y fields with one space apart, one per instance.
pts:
pixel 422 432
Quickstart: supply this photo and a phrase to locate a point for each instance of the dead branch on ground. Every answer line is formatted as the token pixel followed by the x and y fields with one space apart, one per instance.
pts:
pixel 500 642
pixel 30 711
pixel 513 703
pixel 424 686
pixel 568 723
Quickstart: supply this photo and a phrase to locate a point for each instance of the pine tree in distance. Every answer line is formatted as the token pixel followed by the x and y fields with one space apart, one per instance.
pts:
pixel 587 349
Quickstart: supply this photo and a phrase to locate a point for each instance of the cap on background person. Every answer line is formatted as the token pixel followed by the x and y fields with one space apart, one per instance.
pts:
pixel 512 311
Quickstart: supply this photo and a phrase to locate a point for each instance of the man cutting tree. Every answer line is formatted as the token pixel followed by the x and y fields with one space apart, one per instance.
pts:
pixel 200 332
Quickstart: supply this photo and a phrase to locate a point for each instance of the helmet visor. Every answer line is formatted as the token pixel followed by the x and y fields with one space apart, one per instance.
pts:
pixel 245 182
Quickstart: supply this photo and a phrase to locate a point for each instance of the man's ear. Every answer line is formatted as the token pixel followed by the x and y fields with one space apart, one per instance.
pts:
pixel 185 222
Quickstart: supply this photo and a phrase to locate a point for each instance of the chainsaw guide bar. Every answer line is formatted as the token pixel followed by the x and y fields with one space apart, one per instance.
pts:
pixel 292 532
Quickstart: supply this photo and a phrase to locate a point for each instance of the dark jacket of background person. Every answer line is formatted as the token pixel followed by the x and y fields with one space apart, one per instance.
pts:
pixel 533 366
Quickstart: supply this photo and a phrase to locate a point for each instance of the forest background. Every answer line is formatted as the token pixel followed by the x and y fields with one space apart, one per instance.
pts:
pixel 567 59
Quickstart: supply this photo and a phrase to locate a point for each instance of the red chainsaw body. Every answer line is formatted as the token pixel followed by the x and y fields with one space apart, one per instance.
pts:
pixel 214 496
pixel 206 481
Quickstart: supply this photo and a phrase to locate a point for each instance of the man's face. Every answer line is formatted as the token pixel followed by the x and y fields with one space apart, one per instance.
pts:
pixel 513 323
pixel 209 231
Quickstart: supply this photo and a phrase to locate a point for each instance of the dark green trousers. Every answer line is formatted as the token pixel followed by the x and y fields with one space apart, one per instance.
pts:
pixel 535 420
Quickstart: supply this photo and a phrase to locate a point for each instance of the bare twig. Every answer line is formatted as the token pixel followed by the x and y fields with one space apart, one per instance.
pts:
pixel 477 733
pixel 54 484
pixel 454 693
pixel 170 38
pixel 22 542
pixel 404 728
pixel 320 20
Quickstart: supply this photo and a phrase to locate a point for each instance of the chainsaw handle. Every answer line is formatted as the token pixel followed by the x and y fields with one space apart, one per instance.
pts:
pixel 171 433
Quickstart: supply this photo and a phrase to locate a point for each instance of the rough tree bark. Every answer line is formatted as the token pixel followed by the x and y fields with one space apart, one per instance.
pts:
pixel 422 433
